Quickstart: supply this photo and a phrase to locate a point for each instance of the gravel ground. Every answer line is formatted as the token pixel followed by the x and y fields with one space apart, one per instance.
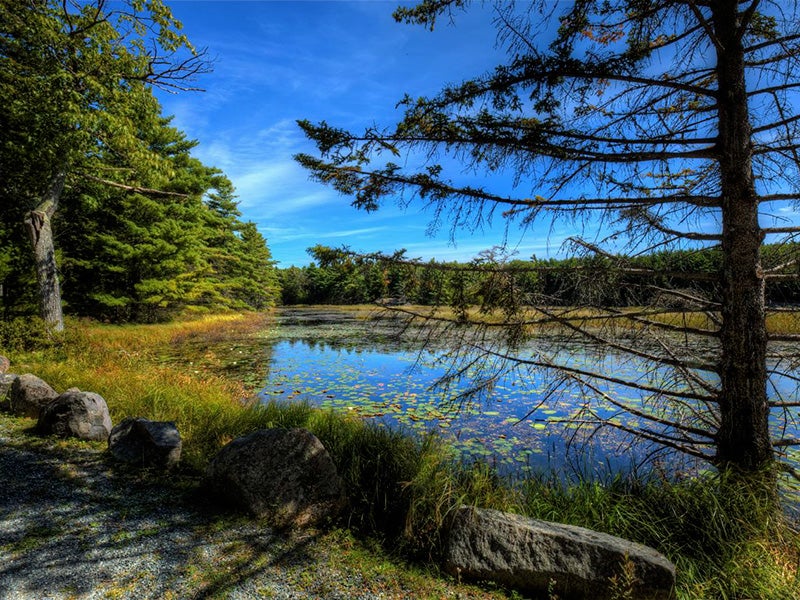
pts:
pixel 74 525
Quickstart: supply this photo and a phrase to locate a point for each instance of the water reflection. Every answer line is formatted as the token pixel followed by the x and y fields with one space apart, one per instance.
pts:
pixel 340 361
pixel 396 386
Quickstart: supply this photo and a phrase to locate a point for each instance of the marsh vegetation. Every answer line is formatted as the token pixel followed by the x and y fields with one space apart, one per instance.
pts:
pixel 405 481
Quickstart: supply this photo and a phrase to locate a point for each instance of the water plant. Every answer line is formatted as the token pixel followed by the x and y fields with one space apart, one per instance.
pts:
pixel 404 485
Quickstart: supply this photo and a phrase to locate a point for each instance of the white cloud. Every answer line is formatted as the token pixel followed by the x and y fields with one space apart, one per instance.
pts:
pixel 279 234
pixel 347 63
pixel 269 184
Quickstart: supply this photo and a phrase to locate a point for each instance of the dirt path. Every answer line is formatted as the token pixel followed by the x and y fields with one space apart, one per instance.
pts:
pixel 74 525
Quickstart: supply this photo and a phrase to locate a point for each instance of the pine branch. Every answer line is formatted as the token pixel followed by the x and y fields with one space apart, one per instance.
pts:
pixel 133 188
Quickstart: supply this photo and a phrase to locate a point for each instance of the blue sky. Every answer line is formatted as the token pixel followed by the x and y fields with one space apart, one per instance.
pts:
pixel 348 63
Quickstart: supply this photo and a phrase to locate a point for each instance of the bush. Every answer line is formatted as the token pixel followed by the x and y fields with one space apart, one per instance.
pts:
pixel 27 334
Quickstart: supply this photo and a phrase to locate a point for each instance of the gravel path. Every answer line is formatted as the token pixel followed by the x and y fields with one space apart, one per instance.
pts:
pixel 70 526
pixel 74 525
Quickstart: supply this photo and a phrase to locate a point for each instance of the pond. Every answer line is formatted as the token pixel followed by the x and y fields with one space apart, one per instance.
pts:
pixel 333 359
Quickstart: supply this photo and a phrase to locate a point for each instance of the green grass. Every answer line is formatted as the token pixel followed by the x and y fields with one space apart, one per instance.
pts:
pixel 404 488
pixel 724 543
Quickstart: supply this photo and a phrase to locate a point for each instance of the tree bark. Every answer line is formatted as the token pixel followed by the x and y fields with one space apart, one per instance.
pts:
pixel 37 223
pixel 743 440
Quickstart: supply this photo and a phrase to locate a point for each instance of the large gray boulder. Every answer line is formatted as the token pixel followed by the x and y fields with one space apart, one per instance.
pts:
pixel 285 476
pixel 77 414
pixel 29 395
pixel 146 443
pixel 538 557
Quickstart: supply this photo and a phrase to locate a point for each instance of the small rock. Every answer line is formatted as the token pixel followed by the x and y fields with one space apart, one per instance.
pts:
pixel 6 382
pixel 284 476
pixel 29 395
pixel 146 443
pixel 76 414
pixel 4 364
pixel 539 557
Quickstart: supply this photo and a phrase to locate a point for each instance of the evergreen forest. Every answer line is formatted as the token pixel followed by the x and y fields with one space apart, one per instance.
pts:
pixel 104 210
pixel 340 276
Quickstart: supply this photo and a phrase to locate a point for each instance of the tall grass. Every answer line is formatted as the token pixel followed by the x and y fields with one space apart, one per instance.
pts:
pixel 403 489
pixel 121 364
pixel 725 542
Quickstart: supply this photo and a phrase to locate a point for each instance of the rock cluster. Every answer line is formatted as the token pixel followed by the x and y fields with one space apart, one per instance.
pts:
pixel 288 479
pixel 74 413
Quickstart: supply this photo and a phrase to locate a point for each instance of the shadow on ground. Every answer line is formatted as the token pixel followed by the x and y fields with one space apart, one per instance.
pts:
pixel 72 525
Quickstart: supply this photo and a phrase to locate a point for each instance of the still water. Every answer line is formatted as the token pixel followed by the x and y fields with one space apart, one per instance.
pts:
pixel 335 360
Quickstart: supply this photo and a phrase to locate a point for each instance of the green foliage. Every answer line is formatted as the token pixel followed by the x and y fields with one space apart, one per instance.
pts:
pixel 144 228
pixel 138 257
pixel 77 79
pixel 339 276
pixel 294 284
pixel 25 334
pixel 403 489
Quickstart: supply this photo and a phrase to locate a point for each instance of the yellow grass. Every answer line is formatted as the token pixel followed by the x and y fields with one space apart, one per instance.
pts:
pixel 121 363
pixel 778 322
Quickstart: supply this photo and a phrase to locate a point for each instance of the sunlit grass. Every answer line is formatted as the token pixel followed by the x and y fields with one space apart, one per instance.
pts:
pixel 404 488
pixel 121 364
pixel 783 321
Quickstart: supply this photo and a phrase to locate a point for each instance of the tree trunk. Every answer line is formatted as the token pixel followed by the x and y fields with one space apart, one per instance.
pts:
pixel 37 223
pixel 743 440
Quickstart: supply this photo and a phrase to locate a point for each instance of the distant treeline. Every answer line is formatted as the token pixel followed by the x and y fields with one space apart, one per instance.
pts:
pixel 674 277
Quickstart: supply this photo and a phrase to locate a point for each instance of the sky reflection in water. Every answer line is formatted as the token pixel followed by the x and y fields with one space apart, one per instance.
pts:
pixel 394 386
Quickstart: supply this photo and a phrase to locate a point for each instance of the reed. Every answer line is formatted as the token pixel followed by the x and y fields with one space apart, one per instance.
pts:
pixel 724 543
pixel 404 488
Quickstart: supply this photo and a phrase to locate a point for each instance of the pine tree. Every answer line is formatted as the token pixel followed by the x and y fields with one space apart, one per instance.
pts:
pixel 672 124
pixel 75 79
